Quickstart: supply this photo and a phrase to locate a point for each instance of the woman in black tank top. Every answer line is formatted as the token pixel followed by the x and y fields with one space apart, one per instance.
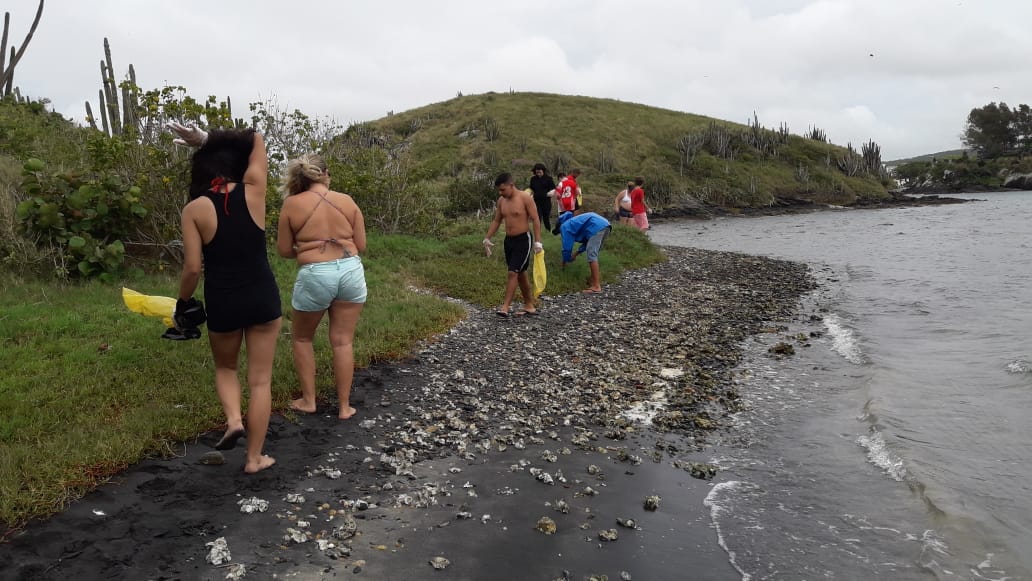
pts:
pixel 224 230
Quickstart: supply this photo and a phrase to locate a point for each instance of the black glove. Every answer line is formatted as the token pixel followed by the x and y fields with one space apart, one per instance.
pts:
pixel 189 314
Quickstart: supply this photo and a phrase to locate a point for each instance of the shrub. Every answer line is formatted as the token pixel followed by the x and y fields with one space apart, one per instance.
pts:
pixel 85 218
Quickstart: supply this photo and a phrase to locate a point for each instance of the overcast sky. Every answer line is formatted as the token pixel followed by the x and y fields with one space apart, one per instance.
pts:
pixel 902 72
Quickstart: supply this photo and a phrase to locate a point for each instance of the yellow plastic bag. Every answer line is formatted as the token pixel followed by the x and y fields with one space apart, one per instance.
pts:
pixel 149 305
pixel 540 275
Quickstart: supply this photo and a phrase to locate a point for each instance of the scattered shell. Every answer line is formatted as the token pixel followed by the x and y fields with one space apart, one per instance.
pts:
pixel 607 535
pixel 546 525
pixel 236 572
pixel 213 458
pixel 562 506
pixel 296 536
pixel 294 498
pixel 671 373
pixel 338 552
pixel 219 552
pixel 594 470
pixel 651 502
pixel 252 505
pixel 627 523
pixel 439 563
pixel 625 576
pixel 701 471
pixel 346 529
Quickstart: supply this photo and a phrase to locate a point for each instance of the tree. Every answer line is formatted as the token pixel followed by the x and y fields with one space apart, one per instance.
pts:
pixel 990 130
pixel 1022 127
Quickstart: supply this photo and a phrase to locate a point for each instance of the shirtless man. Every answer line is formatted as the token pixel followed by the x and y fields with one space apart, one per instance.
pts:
pixel 519 212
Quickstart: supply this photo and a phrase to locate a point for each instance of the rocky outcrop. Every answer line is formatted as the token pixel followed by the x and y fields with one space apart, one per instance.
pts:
pixel 1018 181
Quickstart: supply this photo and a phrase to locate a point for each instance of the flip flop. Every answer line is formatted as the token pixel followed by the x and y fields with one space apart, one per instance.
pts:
pixel 502 314
pixel 229 441
pixel 591 292
pixel 522 313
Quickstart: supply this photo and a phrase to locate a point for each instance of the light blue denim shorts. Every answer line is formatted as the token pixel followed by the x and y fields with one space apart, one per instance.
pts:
pixel 320 283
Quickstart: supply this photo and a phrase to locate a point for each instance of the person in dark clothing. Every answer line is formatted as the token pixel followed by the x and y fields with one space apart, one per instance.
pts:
pixel 540 184
pixel 224 233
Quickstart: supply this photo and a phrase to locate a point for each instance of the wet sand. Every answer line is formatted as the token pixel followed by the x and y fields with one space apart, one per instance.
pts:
pixel 441 459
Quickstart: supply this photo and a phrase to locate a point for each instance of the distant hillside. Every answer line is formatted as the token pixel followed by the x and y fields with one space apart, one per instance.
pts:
pixel 457 146
pixel 951 154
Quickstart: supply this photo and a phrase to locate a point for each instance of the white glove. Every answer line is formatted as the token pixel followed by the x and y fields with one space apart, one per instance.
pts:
pixel 487 246
pixel 538 247
pixel 191 136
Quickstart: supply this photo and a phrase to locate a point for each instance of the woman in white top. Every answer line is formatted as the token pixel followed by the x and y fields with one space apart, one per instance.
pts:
pixel 622 205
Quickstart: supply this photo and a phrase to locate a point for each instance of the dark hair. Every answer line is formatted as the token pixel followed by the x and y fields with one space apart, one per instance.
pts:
pixel 639 181
pixel 540 166
pixel 503 178
pixel 224 155
pixel 575 172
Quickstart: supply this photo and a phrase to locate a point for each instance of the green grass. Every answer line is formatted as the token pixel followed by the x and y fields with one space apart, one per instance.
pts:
pixel 637 139
pixel 89 388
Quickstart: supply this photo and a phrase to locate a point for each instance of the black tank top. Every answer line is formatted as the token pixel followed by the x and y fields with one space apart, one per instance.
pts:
pixel 236 256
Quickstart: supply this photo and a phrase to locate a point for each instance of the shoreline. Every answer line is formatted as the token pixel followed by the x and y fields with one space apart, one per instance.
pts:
pixel 466 427
pixel 786 205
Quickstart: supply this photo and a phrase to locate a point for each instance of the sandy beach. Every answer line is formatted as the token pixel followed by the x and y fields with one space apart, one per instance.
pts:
pixel 578 414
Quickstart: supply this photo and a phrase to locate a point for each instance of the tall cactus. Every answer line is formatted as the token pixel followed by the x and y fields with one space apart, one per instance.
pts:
pixel 7 67
pixel 110 90
pixel 116 118
pixel 872 157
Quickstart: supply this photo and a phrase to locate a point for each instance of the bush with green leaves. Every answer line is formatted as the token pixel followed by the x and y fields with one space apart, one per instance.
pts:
pixel 85 217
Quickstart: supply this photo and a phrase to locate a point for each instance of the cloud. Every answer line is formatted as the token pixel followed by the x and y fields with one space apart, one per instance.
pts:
pixel 805 62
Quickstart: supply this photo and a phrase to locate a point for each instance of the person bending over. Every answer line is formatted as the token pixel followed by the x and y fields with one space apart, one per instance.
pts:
pixel 589 230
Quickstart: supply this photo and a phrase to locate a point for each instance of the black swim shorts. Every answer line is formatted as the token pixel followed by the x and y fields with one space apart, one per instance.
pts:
pixel 517 252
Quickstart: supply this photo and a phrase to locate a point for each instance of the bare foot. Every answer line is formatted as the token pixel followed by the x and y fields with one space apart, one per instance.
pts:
pixel 229 439
pixel 299 405
pixel 347 413
pixel 262 463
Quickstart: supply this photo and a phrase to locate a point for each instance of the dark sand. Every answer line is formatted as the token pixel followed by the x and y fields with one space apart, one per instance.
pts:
pixel 154 520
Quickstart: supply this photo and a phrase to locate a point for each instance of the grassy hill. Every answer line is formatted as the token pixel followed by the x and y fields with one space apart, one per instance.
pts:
pixel 458 146
pixel 950 154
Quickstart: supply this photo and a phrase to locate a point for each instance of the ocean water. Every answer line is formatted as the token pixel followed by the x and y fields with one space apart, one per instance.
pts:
pixel 897 442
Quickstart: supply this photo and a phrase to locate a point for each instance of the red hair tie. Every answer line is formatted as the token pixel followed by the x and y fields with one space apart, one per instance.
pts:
pixel 218 185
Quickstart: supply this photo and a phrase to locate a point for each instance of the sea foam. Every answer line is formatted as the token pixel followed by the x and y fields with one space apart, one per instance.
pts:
pixel 1019 366
pixel 717 502
pixel 843 340
pixel 878 454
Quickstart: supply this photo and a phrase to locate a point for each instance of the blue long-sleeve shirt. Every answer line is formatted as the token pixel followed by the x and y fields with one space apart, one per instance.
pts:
pixel 580 229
